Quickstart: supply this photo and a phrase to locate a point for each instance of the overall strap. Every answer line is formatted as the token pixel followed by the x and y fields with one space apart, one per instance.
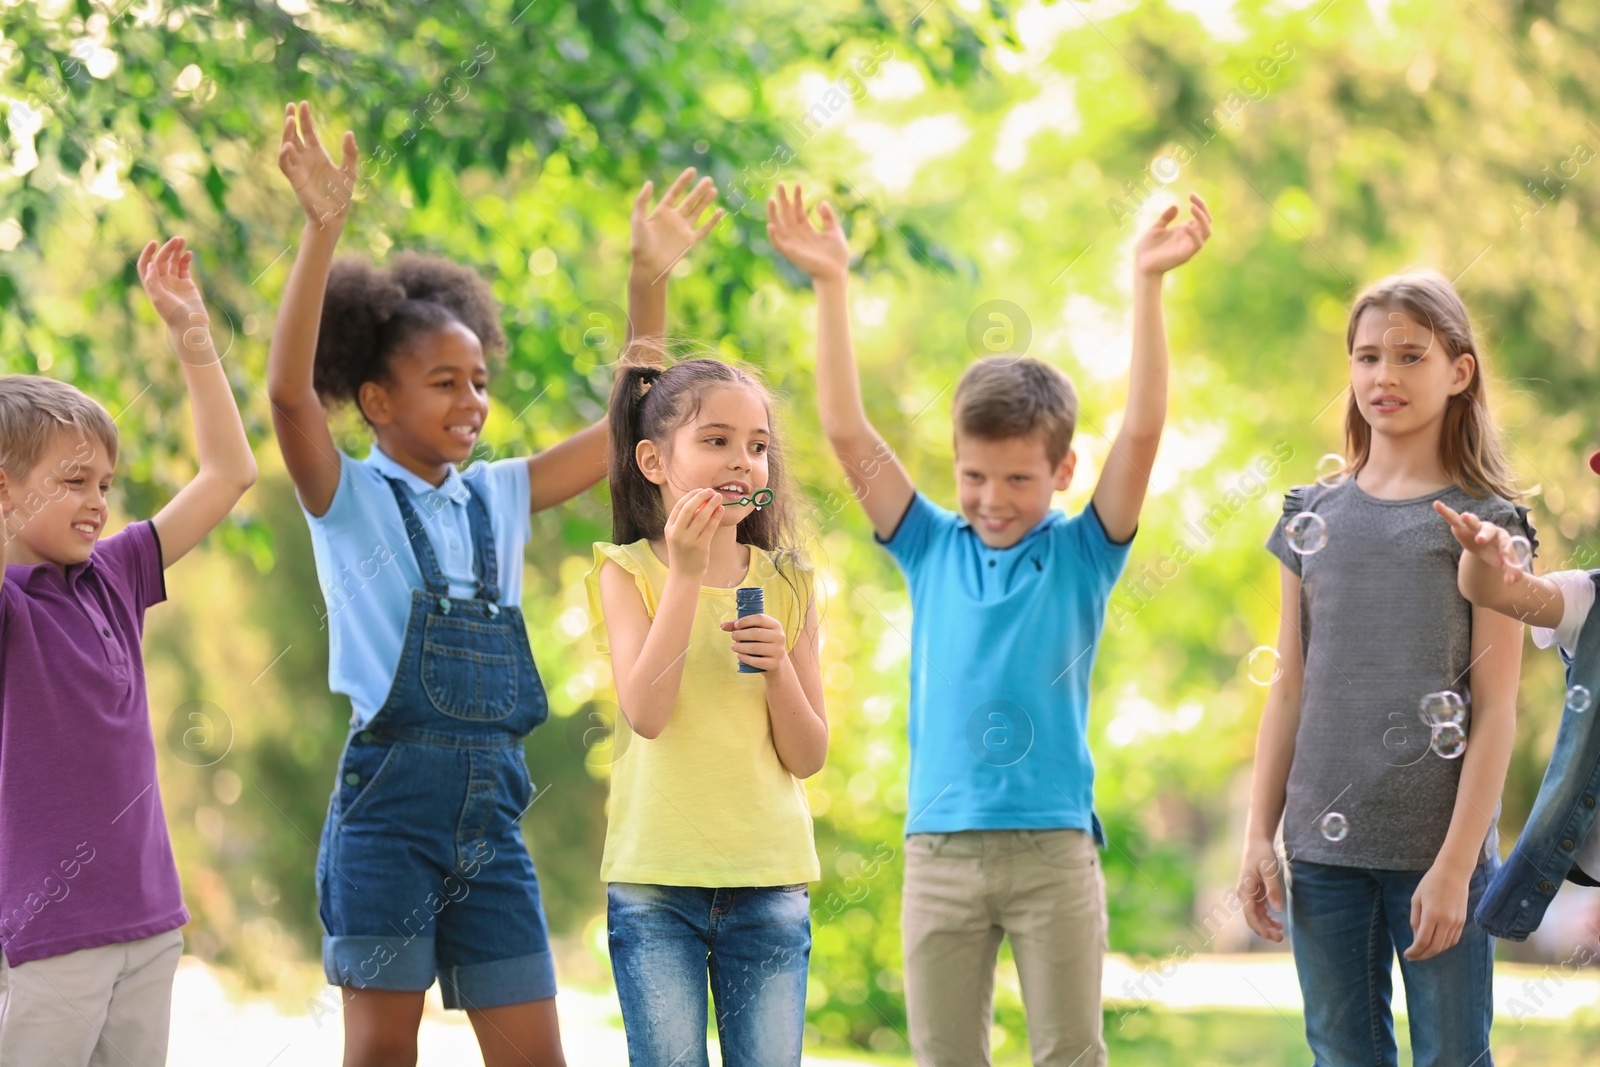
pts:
pixel 433 579
pixel 484 563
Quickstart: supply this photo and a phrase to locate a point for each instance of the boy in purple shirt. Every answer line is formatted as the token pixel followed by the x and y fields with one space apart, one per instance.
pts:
pixel 90 907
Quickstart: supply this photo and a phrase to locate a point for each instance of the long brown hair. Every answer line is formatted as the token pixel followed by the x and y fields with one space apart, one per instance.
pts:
pixel 650 403
pixel 1469 445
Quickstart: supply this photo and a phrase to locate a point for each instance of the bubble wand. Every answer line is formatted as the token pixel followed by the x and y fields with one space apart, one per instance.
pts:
pixel 758 499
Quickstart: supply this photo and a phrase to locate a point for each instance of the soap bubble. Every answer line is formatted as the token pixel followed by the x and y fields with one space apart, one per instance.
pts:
pixel 1335 826
pixel 1449 740
pixel 1331 470
pixel 1306 533
pixel 1443 707
pixel 1261 666
pixel 1579 699
pixel 1521 551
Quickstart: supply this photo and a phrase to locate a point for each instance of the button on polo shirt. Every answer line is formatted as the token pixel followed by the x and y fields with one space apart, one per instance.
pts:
pixel 84 856
pixel 1003 641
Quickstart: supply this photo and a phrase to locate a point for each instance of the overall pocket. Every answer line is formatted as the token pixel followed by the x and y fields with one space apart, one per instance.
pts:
pixel 469 669
pixel 359 772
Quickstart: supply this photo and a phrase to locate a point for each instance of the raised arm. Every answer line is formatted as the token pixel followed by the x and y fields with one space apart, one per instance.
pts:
pixel 1491 576
pixel 1260 879
pixel 325 192
pixel 659 239
pixel 1119 495
pixel 875 473
pixel 226 465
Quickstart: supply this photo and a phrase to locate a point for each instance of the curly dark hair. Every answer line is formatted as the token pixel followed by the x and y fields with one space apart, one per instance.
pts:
pixel 369 313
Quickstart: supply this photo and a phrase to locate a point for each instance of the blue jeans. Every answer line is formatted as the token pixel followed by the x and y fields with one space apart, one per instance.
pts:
pixel 1346 924
pixel 754 943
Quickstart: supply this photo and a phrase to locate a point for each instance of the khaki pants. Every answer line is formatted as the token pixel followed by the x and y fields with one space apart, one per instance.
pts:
pixel 99 1007
pixel 963 891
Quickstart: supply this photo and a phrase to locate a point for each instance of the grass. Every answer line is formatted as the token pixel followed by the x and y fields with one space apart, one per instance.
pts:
pixel 1155 1038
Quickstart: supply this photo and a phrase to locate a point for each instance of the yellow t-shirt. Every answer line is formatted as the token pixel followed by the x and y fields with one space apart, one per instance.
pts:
pixel 707 802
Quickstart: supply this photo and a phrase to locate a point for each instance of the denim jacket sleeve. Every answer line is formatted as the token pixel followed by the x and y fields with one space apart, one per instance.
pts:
pixel 1562 815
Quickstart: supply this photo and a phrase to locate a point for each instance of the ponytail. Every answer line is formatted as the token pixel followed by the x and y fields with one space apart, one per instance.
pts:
pixel 635 500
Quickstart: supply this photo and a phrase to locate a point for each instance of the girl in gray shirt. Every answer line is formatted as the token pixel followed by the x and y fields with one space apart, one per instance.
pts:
pixel 1387 819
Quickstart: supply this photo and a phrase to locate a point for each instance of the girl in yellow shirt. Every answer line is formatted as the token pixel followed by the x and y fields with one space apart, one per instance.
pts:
pixel 709 844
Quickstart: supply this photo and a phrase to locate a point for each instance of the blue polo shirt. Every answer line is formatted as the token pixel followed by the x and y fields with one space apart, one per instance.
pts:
pixel 1002 645
pixel 367 570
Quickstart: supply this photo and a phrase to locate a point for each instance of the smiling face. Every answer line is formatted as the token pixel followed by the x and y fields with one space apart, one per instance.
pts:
pixel 1005 485
pixel 1401 376
pixel 57 510
pixel 430 406
pixel 722 446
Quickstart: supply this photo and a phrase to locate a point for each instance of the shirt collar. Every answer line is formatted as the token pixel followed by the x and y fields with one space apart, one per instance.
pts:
pixel 38 575
pixel 453 488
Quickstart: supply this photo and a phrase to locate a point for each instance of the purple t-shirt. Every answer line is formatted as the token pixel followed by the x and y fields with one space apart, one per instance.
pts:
pixel 84 854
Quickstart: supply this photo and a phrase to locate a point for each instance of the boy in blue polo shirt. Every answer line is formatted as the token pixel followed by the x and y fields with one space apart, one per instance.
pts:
pixel 1008 600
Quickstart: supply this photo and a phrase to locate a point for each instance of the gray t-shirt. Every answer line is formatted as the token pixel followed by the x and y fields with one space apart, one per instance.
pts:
pixel 1381 624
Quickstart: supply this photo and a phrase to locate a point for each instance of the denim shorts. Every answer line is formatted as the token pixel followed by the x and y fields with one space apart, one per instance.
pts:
pixel 423 873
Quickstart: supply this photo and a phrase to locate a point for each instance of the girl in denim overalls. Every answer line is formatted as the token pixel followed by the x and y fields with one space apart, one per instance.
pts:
pixel 422 870
pixel 708 841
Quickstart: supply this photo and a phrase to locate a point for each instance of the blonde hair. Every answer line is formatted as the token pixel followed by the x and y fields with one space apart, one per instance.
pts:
pixel 34 409
pixel 1469 445
pixel 1003 396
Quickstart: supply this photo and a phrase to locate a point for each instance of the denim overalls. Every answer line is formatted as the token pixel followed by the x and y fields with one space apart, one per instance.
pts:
pixel 422 870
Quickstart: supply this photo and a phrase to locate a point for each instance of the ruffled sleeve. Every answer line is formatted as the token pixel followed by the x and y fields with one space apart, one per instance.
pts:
pixel 627 557
pixel 1515 519
pixel 1295 501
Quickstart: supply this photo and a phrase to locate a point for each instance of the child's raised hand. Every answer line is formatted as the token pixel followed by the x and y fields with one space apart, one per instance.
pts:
pixel 758 640
pixel 821 253
pixel 324 190
pixel 1490 544
pixel 695 517
pixel 1163 246
pixel 662 237
pixel 164 273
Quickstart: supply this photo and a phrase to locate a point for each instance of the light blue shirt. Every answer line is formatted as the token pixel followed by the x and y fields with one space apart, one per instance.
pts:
pixel 1002 645
pixel 367 570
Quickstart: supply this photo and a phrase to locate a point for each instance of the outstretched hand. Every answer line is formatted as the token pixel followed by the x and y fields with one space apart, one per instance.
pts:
pixel 324 190
pixel 662 236
pixel 164 273
pixel 1490 544
pixel 1164 246
pixel 821 253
